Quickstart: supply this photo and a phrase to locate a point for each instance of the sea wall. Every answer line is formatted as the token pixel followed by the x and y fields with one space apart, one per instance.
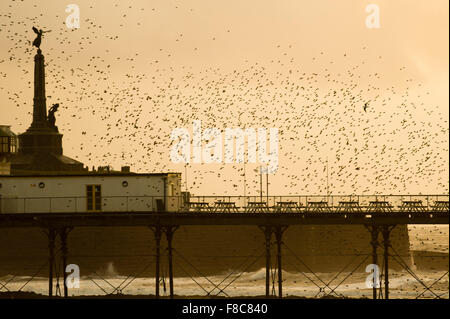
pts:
pixel 197 250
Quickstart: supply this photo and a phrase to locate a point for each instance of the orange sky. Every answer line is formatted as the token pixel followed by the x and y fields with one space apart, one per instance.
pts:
pixel 136 70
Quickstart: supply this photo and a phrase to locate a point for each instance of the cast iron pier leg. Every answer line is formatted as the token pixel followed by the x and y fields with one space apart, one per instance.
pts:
pixel 267 235
pixel 278 234
pixel 374 243
pixel 386 242
pixel 169 234
pixel 157 232
pixel 51 259
pixel 63 234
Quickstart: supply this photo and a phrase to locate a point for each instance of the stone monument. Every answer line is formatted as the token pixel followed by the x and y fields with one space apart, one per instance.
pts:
pixel 40 147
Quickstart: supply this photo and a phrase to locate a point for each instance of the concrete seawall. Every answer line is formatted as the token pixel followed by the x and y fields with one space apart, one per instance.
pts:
pixel 197 249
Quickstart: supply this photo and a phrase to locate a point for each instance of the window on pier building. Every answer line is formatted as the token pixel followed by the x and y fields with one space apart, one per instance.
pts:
pixel 93 198
pixel 4 144
pixel 8 140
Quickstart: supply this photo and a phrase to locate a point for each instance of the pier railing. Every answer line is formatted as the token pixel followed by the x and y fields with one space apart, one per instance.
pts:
pixel 237 204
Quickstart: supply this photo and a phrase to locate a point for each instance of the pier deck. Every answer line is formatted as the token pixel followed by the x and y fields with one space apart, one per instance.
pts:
pixel 221 218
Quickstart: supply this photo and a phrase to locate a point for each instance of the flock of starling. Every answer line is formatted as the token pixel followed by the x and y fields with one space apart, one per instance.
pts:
pixel 120 109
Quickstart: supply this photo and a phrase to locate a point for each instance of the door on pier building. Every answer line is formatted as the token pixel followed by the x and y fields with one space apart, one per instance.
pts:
pixel 93 198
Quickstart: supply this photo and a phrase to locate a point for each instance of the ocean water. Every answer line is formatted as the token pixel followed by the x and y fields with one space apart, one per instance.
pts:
pixel 402 285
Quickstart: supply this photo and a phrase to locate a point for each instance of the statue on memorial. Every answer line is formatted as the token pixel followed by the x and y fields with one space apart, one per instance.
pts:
pixel 51 115
pixel 37 41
